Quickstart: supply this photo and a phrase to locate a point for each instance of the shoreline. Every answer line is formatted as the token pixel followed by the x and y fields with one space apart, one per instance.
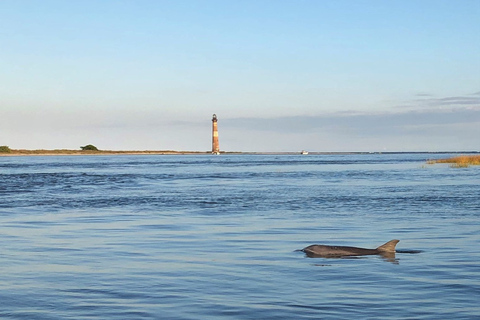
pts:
pixel 66 152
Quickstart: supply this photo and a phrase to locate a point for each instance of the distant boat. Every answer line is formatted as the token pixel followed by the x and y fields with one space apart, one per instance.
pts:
pixel 304 152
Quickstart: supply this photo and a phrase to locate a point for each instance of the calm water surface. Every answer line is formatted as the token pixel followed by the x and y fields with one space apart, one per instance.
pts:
pixel 214 237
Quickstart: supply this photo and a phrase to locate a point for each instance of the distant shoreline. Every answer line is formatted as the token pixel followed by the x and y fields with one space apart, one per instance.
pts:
pixel 66 152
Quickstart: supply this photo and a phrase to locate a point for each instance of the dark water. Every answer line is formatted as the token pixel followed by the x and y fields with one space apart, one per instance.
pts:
pixel 213 237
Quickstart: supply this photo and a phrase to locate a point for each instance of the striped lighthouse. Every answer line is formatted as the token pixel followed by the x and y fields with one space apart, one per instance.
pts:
pixel 215 146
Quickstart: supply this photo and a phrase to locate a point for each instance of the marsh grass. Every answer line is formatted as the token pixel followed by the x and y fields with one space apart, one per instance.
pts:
pixel 459 162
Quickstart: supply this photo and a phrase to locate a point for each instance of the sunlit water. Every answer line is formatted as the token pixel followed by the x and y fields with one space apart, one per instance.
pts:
pixel 214 237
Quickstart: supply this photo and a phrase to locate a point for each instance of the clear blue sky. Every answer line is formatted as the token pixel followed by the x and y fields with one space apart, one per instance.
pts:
pixel 281 75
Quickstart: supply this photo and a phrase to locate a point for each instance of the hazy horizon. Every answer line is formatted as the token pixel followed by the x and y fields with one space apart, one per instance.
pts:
pixel 282 76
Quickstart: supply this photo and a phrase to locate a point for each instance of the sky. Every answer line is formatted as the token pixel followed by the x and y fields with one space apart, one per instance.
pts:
pixel 281 75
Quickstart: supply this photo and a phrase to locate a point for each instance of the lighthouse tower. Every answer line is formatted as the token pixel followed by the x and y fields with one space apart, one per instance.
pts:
pixel 215 146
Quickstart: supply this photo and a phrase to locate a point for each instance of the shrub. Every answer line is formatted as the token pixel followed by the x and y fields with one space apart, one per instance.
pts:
pixel 5 149
pixel 89 147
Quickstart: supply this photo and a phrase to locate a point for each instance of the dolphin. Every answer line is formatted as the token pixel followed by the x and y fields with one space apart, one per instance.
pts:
pixel 321 251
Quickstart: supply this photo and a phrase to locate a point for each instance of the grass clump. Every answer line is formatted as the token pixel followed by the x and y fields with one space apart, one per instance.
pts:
pixel 460 161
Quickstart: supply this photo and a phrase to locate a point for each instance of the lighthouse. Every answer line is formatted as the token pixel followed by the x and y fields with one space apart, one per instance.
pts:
pixel 215 146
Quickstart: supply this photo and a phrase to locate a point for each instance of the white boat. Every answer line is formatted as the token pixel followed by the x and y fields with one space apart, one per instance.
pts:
pixel 304 152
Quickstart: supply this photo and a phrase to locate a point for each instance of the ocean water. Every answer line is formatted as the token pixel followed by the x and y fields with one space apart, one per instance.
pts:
pixel 214 237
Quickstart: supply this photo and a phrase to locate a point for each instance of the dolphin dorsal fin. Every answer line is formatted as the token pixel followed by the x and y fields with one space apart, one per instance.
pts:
pixel 389 246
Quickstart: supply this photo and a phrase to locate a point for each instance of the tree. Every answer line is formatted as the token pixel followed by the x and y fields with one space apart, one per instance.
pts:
pixel 89 147
pixel 5 149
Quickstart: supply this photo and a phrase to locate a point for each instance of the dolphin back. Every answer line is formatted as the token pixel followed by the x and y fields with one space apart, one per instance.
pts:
pixel 389 246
